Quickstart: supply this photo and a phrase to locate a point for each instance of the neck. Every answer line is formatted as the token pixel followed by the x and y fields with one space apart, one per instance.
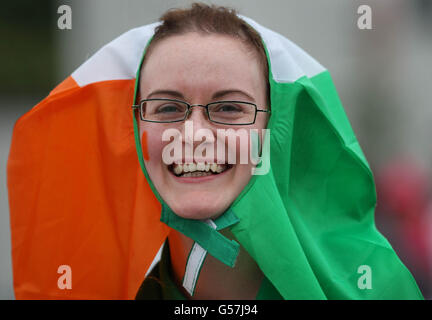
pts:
pixel 216 280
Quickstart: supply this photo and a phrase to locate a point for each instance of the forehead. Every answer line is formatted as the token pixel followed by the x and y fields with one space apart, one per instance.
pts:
pixel 195 60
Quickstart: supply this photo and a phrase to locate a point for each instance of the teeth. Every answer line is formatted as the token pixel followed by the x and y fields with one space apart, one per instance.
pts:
pixel 200 166
pixel 192 167
pixel 178 169
pixel 195 170
pixel 196 174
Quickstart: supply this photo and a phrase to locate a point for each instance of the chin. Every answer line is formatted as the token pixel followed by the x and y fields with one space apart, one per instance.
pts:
pixel 200 210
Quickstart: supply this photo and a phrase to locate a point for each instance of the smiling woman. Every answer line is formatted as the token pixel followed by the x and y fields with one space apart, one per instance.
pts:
pixel 212 59
pixel 303 228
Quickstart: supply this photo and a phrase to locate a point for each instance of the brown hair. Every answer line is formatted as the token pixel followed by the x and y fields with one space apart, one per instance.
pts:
pixel 210 19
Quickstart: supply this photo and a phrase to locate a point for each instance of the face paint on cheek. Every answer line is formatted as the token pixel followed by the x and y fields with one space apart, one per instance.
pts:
pixel 144 146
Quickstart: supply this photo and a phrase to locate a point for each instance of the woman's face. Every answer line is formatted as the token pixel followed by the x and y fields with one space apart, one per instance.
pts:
pixel 200 69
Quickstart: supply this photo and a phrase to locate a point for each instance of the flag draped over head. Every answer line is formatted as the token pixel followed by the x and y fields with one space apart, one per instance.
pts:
pixel 81 197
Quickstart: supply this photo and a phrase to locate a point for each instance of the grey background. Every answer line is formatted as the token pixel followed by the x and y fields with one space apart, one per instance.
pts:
pixel 383 75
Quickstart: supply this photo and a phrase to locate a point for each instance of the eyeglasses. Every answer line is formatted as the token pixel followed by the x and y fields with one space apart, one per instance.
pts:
pixel 223 112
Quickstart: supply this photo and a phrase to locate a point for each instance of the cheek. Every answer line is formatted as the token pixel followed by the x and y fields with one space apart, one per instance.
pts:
pixel 246 148
pixel 243 147
pixel 261 125
pixel 151 143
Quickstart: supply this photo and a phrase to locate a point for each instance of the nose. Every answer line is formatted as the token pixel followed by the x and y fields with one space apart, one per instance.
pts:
pixel 201 126
pixel 197 114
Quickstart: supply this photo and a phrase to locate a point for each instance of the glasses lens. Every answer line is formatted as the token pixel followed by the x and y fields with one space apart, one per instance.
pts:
pixel 163 110
pixel 231 112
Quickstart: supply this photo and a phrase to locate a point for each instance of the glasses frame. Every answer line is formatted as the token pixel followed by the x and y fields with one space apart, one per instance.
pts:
pixel 190 106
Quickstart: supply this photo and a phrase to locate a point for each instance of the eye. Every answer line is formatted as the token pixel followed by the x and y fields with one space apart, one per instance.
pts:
pixel 227 108
pixel 170 108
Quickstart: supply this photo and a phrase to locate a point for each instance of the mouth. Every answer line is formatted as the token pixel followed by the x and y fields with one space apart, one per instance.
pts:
pixel 197 170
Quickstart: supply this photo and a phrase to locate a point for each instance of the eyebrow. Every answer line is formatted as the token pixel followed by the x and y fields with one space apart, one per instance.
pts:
pixel 216 95
pixel 172 93
pixel 223 93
